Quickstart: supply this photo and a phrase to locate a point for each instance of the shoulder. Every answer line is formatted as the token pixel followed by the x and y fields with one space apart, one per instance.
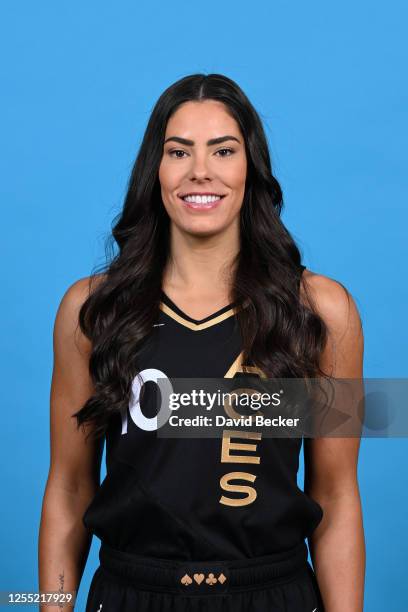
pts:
pixel 66 326
pixel 79 291
pixel 331 299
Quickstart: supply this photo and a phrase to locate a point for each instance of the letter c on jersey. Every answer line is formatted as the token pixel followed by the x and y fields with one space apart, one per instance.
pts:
pixel 165 388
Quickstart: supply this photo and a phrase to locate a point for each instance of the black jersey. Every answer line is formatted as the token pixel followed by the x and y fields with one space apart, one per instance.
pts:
pixel 174 497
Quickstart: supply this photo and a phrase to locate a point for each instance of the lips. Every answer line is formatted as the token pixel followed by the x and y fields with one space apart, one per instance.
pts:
pixel 218 195
pixel 202 206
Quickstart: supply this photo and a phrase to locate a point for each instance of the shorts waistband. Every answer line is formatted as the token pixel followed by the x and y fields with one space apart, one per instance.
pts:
pixel 203 577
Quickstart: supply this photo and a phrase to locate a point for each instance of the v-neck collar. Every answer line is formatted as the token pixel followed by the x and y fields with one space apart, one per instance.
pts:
pixel 172 310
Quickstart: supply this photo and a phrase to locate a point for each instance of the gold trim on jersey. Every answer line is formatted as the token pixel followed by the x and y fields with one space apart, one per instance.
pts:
pixel 198 326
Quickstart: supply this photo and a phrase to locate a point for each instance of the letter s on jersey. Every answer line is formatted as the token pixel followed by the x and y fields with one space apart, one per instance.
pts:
pixel 226 486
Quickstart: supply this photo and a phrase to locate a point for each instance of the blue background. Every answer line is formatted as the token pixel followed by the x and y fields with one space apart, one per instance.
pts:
pixel 79 81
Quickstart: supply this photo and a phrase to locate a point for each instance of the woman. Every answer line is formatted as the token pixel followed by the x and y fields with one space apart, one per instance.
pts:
pixel 207 283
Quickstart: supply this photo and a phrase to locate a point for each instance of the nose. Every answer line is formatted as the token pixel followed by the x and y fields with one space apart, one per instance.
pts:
pixel 200 168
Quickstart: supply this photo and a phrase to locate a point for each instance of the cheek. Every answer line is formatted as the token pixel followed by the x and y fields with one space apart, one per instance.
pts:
pixel 164 177
pixel 170 175
pixel 236 175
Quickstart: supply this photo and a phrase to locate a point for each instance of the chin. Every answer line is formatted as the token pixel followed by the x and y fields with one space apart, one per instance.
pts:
pixel 203 229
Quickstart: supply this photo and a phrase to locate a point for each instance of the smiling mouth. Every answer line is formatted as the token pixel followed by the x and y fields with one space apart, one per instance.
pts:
pixel 203 203
pixel 201 196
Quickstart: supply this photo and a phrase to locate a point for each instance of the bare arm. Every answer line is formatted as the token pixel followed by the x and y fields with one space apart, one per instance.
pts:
pixel 337 545
pixel 74 473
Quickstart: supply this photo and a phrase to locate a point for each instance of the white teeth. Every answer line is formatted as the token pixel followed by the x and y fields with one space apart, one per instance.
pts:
pixel 201 199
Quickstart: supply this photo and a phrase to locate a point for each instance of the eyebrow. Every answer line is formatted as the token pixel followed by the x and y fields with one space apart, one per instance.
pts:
pixel 212 141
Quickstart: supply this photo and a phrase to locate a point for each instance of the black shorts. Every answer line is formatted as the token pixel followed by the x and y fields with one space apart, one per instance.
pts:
pixel 282 582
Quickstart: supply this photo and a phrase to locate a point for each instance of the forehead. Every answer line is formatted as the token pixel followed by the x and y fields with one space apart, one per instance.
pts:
pixel 206 118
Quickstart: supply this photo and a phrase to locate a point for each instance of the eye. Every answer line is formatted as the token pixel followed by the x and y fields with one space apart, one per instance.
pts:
pixel 231 151
pixel 176 151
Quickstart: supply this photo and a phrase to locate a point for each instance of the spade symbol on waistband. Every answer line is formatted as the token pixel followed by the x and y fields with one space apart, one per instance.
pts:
pixel 186 580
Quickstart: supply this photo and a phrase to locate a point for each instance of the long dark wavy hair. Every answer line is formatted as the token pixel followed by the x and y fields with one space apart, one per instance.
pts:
pixel 281 335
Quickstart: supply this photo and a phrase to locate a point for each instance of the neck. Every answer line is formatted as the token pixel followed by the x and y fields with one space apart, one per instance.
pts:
pixel 201 264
